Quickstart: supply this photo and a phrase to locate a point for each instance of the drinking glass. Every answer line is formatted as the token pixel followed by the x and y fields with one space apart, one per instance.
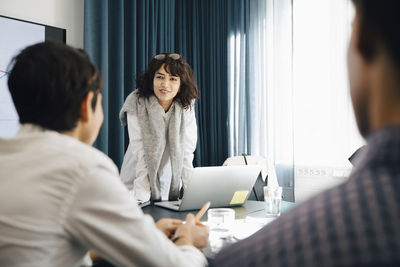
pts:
pixel 273 200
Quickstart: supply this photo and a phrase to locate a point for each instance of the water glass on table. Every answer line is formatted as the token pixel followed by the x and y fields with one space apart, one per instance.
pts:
pixel 273 200
pixel 220 222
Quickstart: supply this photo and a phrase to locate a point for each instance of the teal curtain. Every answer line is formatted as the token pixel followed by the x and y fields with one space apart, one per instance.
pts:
pixel 201 37
pixel 122 36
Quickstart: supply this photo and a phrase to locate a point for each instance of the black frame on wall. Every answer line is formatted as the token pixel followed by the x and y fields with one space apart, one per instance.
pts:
pixel 51 33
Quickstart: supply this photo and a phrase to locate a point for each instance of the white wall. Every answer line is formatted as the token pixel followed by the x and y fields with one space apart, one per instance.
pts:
pixel 66 14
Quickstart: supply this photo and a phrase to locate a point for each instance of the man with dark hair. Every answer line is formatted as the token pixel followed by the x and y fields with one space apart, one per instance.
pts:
pixel 59 196
pixel 38 102
pixel 356 223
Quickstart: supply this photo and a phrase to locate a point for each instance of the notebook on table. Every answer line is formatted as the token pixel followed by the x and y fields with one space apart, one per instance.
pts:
pixel 223 186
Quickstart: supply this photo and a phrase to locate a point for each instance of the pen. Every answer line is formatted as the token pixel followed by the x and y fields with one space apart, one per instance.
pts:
pixel 202 211
pixel 196 218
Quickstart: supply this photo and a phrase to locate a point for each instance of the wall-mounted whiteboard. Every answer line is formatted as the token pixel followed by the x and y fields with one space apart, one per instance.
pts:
pixel 15 35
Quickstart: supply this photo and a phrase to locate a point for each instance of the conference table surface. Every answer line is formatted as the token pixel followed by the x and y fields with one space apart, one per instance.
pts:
pixel 253 208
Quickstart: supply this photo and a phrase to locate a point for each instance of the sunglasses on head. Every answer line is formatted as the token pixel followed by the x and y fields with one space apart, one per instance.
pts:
pixel 162 56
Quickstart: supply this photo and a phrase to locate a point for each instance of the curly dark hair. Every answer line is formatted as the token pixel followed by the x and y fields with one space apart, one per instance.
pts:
pixel 177 67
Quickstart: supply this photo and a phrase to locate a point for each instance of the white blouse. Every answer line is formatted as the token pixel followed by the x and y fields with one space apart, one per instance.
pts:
pixel 134 166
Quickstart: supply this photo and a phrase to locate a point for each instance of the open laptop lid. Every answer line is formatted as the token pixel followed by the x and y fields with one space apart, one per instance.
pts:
pixel 224 186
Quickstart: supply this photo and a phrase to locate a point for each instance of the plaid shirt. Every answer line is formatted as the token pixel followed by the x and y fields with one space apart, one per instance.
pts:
pixel 354 224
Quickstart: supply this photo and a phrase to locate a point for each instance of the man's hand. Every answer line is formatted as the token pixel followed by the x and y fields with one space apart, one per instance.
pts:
pixel 192 233
pixel 168 226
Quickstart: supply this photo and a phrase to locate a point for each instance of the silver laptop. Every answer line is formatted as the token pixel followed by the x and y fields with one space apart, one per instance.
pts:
pixel 223 186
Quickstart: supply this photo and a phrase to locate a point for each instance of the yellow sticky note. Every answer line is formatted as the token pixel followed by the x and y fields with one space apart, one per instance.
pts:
pixel 239 197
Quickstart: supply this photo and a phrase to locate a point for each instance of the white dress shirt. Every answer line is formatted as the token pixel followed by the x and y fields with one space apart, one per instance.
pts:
pixel 134 166
pixel 60 197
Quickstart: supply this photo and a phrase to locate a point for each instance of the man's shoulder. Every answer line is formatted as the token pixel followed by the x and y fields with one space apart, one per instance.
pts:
pixel 73 152
pixel 88 155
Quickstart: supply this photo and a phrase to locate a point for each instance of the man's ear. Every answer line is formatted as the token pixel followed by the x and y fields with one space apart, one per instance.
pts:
pixel 86 107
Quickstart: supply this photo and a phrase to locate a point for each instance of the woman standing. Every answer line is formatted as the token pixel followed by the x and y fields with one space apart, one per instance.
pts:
pixel 162 129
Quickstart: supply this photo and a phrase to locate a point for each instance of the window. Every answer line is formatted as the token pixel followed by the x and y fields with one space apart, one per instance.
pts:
pixel 289 96
pixel 325 130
